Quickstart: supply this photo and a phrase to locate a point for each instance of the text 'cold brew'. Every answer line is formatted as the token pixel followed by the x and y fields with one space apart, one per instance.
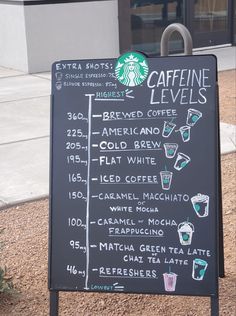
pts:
pixel 134 175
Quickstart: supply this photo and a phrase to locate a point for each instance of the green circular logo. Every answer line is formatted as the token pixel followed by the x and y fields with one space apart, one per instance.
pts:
pixel 131 69
pixel 185 237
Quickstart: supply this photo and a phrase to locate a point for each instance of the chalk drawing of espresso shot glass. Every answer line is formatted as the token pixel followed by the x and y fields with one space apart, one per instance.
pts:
pixel 59 76
pixel 185 231
pixel 181 161
pixel 185 133
pixel 166 178
pixel 193 116
pixel 168 128
pixel 200 204
pixel 58 85
pixel 199 269
pixel 170 149
pixel 170 279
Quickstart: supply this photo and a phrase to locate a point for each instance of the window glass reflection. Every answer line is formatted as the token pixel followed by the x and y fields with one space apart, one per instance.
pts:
pixel 210 15
pixel 148 21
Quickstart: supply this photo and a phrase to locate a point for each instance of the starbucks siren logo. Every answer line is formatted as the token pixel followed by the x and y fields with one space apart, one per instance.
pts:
pixel 131 69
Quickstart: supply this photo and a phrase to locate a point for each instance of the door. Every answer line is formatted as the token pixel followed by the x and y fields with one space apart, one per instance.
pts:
pixel 209 22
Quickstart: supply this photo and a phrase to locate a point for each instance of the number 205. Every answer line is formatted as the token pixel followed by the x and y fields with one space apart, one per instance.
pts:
pixel 72 146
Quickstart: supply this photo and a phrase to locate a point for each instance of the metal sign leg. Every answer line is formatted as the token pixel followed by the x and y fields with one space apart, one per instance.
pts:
pixel 214 306
pixel 54 303
pixel 221 240
pixel 220 206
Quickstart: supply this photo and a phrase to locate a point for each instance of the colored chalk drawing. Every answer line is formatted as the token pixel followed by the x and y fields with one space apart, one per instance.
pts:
pixel 193 116
pixel 181 161
pixel 168 128
pixel 170 279
pixel 199 269
pixel 170 149
pixel 185 232
pixel 185 133
pixel 166 178
pixel 131 69
pixel 200 204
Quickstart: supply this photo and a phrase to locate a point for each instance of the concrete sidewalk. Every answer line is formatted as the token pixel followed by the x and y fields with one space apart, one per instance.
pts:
pixel 24 132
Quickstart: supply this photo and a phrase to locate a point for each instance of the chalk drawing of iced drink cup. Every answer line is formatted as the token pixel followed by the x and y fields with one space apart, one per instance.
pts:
pixel 199 269
pixel 166 178
pixel 193 116
pixel 181 161
pixel 185 133
pixel 185 231
pixel 168 128
pixel 200 204
pixel 170 281
pixel 170 149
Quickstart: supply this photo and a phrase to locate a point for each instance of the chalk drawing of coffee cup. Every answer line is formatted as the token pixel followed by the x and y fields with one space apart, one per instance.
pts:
pixel 185 133
pixel 170 280
pixel 185 231
pixel 181 161
pixel 168 128
pixel 200 204
pixel 199 269
pixel 166 178
pixel 193 116
pixel 170 149
pixel 58 76
pixel 58 85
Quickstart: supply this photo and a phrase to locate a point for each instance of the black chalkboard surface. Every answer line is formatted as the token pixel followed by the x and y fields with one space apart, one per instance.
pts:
pixel 134 178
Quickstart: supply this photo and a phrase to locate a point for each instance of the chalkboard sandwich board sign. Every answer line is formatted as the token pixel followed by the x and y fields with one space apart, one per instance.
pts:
pixel 134 175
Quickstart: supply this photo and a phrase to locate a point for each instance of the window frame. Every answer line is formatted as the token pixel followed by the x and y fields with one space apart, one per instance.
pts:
pixel 125 32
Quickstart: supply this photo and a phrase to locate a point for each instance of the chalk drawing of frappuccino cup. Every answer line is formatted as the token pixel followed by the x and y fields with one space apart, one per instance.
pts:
pixel 193 116
pixel 185 231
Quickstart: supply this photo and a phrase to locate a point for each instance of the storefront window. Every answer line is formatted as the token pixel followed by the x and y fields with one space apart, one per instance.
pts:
pixel 142 22
pixel 211 15
pixel 149 19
